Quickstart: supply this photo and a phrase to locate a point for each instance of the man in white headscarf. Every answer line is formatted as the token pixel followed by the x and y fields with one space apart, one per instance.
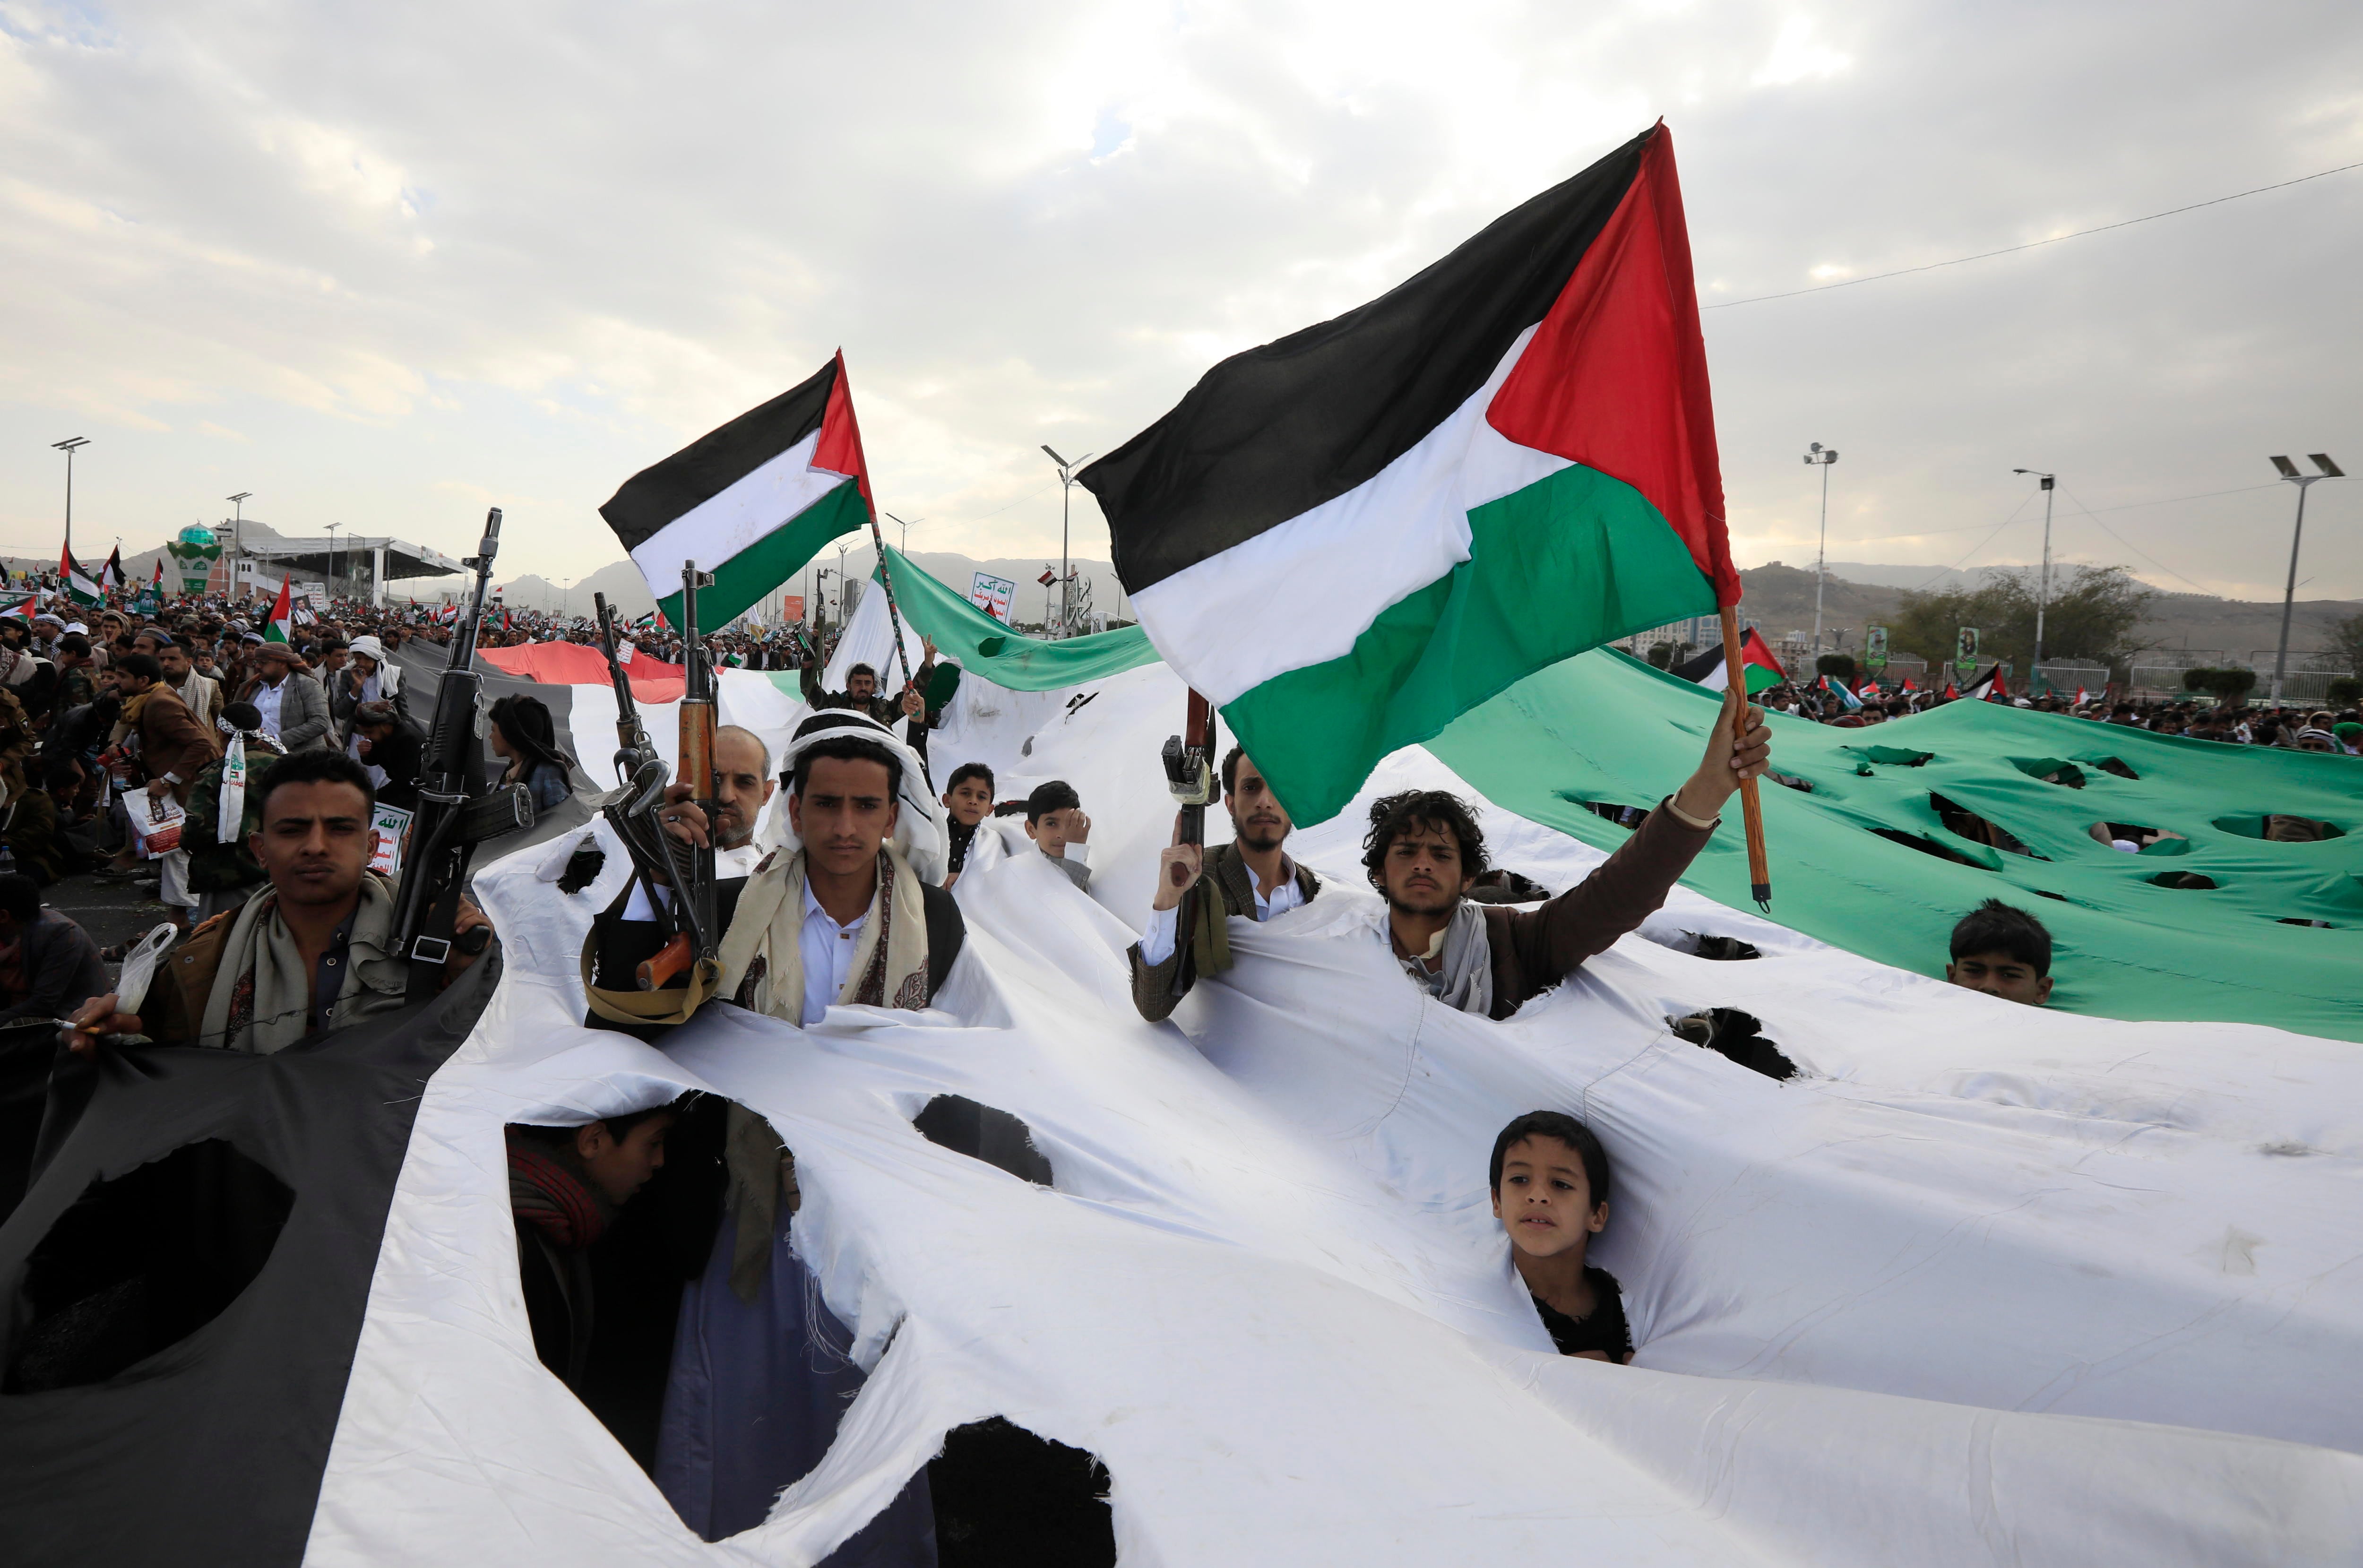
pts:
pixel 848 910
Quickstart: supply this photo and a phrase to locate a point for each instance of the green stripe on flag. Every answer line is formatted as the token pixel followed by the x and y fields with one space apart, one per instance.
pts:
pixel 1759 679
pixel 1563 565
pixel 770 560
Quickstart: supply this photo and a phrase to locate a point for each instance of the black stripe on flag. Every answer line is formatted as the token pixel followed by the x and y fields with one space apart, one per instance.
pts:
pixel 124 1437
pixel 718 459
pixel 1273 432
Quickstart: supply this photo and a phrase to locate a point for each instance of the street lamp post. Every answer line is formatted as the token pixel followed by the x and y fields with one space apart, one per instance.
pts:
pixel 2289 595
pixel 1066 508
pixel 906 530
pixel 70 447
pixel 2043 583
pixel 1821 457
pixel 236 536
pixel 332 559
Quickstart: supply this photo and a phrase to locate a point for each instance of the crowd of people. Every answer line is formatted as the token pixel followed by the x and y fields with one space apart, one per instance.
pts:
pixel 2292 726
pixel 281 756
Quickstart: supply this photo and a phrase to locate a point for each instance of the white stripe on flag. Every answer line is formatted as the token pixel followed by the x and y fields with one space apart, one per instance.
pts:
pixel 1300 593
pixel 720 526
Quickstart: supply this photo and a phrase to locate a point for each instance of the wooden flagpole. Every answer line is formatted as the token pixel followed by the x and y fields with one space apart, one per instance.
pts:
pixel 1751 809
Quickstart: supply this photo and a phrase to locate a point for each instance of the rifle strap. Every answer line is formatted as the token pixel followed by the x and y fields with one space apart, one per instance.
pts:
pixel 425 979
pixel 673 1005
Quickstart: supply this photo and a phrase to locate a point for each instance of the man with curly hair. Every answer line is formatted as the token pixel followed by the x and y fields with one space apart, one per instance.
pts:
pixel 1424 848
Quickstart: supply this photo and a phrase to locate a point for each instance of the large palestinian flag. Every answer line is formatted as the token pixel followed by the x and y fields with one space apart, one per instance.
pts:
pixel 750 502
pixel 1349 537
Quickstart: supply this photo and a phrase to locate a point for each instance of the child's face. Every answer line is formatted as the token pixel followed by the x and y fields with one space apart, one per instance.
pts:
pixel 1999 974
pixel 1545 1199
pixel 968 801
pixel 1053 829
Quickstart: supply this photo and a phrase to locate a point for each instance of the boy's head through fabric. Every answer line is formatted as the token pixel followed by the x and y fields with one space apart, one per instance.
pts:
pixel 969 797
pixel 2003 951
pixel 1054 817
pixel 1550 1183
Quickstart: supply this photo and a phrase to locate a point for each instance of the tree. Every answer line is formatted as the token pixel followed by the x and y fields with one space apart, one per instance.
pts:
pixel 2345 639
pixel 1840 666
pixel 2091 617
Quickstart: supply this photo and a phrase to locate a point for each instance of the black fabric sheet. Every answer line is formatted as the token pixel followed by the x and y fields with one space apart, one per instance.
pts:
pixel 211 1449
pixel 1273 432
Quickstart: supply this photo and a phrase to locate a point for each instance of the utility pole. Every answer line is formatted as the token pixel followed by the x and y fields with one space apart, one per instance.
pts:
pixel 2289 595
pixel 1821 457
pixel 236 537
pixel 906 530
pixel 1066 508
pixel 2043 588
pixel 70 447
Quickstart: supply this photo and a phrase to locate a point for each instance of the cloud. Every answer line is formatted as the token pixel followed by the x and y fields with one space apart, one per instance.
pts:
pixel 419 279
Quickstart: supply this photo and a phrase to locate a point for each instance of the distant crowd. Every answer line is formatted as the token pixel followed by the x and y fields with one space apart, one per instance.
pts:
pixel 2292 725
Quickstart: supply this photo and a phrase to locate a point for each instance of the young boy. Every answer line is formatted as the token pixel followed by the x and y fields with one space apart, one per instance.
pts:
pixel 1549 1178
pixel 1055 819
pixel 967 802
pixel 2002 951
pixel 565 1185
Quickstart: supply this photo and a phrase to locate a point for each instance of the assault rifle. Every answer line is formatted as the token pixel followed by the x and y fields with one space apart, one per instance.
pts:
pixel 697 937
pixel 455 811
pixel 1189 774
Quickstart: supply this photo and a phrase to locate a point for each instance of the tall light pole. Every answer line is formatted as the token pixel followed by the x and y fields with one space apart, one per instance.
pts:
pixel 2043 583
pixel 236 536
pixel 2289 595
pixel 1821 457
pixel 70 447
pixel 1066 506
pixel 906 530
pixel 332 559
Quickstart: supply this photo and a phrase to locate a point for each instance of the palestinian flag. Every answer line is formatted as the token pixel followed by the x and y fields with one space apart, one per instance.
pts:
pixel 1763 670
pixel 1989 687
pixel 111 574
pixel 1909 684
pixel 1838 689
pixel 1952 693
pixel 28 608
pixel 281 625
pixel 751 501
pixel 2082 696
pixel 1347 537
pixel 80 585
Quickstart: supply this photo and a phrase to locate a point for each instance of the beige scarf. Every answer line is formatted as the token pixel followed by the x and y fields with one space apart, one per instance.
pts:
pixel 261 1000
pixel 762 956
pixel 763 969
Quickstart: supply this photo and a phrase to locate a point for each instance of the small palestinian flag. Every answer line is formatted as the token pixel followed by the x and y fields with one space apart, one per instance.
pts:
pixel 751 501
pixel 1909 684
pixel 1989 687
pixel 1838 689
pixel 111 574
pixel 28 608
pixel 80 585
pixel 2082 696
pixel 281 625
pixel 1507 460
pixel 1952 693
pixel 1763 670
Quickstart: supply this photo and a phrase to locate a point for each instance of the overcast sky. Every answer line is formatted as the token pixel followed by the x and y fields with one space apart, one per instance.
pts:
pixel 384 265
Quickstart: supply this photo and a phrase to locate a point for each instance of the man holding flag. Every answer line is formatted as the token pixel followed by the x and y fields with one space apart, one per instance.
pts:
pixel 1505 460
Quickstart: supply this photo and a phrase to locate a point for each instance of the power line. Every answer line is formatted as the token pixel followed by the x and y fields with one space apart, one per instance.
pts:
pixel 2136 549
pixel 2124 506
pixel 2033 244
pixel 2014 511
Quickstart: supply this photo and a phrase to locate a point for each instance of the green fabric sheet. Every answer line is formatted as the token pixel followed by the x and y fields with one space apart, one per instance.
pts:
pixel 1605 728
pixel 991 651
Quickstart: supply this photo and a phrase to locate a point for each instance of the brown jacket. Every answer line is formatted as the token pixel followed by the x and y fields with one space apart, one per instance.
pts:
pixel 170 739
pixel 1157 989
pixel 1535 950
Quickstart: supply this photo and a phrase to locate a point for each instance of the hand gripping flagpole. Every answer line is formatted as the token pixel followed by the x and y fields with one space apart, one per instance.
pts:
pixel 886 581
pixel 1751 809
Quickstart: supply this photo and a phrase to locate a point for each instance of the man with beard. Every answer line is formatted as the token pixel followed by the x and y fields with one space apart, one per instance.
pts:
pixel 1424 848
pixel 1251 876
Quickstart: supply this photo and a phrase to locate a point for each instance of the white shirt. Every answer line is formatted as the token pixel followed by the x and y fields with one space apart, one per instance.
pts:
pixel 827 950
pixel 1156 941
pixel 266 702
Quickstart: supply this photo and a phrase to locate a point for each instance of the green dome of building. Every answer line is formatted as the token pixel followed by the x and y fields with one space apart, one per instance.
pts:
pixel 197 534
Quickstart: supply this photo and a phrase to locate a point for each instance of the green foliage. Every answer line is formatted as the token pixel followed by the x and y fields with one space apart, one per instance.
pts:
pixel 2092 616
pixel 2226 684
pixel 1666 655
pixel 1839 666
pixel 2346 640
pixel 2344 691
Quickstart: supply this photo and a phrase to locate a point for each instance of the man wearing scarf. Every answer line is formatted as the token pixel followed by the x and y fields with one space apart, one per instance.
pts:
pixel 565 1185
pixel 310 954
pixel 1424 850
pixel 849 912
